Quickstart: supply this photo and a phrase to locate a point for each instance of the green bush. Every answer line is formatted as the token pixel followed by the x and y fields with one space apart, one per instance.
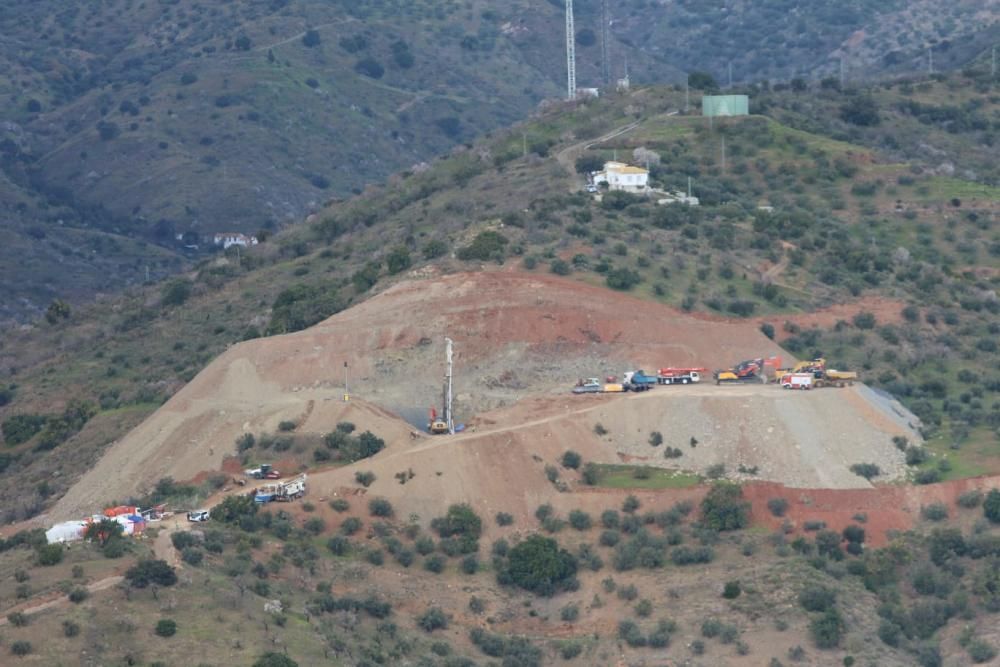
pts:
pixel 815 597
pixel 166 628
pixel 777 506
pixel 50 554
pixel 20 647
pixel 460 520
pixel 934 512
pixel 591 474
pixel 147 572
pixel 723 507
pixel 991 506
pixel 504 519
pixel 828 629
pixel 571 459
pixel 487 245
pixel 432 619
pixel 866 470
pixel 271 659
pixel 732 590
pixel 980 651
pixel 538 564
pixel 380 507
pixel 350 525
pixel 580 520
pixel 364 478
pixel 339 505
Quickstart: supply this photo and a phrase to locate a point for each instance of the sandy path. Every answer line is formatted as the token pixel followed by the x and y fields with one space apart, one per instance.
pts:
pixel 93 587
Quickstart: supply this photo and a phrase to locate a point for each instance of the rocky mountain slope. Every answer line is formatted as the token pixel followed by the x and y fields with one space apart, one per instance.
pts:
pixel 152 120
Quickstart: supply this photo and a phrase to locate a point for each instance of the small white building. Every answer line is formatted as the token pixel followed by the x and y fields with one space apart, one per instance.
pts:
pixel 621 176
pixel 228 239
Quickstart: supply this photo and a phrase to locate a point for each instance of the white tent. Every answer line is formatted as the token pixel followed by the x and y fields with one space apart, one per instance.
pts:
pixel 67 531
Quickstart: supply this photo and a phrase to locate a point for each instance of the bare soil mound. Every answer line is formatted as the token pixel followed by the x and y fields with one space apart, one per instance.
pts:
pixel 517 336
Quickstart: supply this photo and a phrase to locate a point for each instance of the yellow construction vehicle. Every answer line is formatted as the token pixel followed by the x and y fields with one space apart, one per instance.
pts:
pixel 835 378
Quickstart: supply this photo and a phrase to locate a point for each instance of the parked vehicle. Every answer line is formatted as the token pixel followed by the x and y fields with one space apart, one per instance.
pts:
pixel 265 471
pixel 680 375
pixel 588 386
pixel 638 381
pixel 198 516
pixel 797 381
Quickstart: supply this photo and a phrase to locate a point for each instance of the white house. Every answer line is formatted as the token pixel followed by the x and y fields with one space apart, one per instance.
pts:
pixel 227 239
pixel 620 176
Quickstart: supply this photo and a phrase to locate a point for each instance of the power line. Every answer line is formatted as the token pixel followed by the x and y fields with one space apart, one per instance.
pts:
pixel 605 64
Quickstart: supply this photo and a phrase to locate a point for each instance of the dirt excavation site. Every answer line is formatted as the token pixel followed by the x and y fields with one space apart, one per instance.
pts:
pixel 521 341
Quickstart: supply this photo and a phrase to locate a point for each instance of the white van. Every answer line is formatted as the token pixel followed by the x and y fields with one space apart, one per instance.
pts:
pixel 199 515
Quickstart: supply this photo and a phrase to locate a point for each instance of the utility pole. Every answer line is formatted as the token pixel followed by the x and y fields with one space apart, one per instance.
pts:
pixel 841 71
pixel 570 53
pixel 993 63
pixel 687 95
pixel 730 73
pixel 524 144
pixel 605 64
pixel 723 152
pixel 930 61
pixel 448 417
pixel 347 393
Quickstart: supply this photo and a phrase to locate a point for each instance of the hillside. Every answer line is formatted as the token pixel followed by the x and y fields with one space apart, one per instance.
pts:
pixel 851 228
pixel 149 120
pixel 555 529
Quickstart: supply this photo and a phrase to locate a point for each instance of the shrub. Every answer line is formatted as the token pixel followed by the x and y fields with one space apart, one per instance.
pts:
pixel 470 564
pixel 380 507
pixel 915 455
pixel 365 478
pixel 192 556
pixel 434 563
pixel 828 629
pixel 70 629
pixel 20 647
pixel 866 470
pixel 777 506
pixel 610 538
pixel 991 506
pixel 815 597
pixel 630 505
pixel 460 520
pixel 580 520
pixel 338 545
pixel 934 512
pixel 932 476
pixel 432 619
pixel 166 628
pixel 538 564
pixel 732 590
pixel 864 320
pixel 655 439
pixel 17 619
pixel 147 572
pixel 271 659
pixel 350 525
pixel 644 609
pixel 571 459
pixel 723 507
pixel 485 246
pixel 504 519
pixel 569 613
pixel 339 505
pixel 970 499
pixel 980 651
pixel 50 554
pixel 591 474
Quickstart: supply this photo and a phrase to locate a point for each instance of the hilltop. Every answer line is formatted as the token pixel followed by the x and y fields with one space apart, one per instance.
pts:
pixel 134 124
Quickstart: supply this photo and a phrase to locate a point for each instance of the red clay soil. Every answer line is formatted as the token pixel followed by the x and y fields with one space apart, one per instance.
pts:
pixel 887 508
pixel 886 311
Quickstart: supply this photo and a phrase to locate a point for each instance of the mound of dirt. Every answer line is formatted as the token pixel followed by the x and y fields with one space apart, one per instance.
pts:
pixel 516 336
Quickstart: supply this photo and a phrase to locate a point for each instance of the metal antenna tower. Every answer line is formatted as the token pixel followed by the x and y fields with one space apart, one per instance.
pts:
pixel 570 53
pixel 604 43
pixel 448 416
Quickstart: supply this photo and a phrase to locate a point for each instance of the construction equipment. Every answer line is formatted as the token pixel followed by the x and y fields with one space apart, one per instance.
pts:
pixel 595 386
pixel 796 381
pixel 823 376
pixel 292 489
pixel 750 370
pixel 436 426
pixel 264 471
pixel 680 375
pixel 638 381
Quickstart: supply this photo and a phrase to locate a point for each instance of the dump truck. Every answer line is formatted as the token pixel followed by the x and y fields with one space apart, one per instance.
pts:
pixel 823 376
pixel 638 381
pixel 680 375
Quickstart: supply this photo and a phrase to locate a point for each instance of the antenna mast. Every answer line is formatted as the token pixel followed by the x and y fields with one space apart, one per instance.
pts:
pixel 570 53
pixel 604 43
pixel 448 416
